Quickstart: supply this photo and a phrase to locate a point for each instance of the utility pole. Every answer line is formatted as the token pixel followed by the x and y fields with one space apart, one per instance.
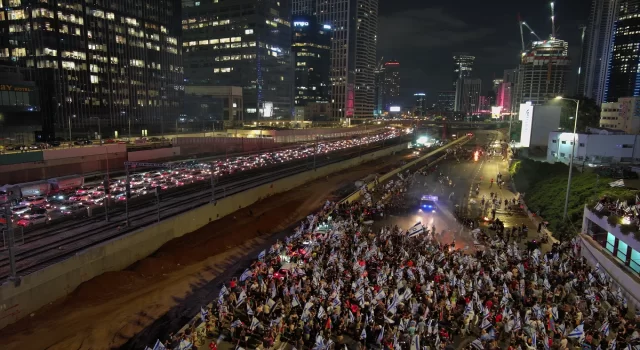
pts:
pixel 127 193
pixel 315 151
pixel 213 185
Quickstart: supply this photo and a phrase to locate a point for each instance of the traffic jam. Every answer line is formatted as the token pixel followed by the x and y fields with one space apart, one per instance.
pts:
pixel 39 202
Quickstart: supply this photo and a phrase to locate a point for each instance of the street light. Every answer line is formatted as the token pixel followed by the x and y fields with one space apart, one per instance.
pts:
pixel 573 149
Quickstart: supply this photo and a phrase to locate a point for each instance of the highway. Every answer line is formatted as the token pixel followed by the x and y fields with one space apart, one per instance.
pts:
pixel 54 242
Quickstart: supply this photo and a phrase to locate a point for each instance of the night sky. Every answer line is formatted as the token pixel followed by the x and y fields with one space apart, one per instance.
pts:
pixel 423 35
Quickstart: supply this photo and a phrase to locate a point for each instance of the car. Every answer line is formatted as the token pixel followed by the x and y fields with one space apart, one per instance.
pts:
pixel 34 200
pixel 35 211
pixel 71 208
pixel 20 209
pixel 30 220
pixel 428 204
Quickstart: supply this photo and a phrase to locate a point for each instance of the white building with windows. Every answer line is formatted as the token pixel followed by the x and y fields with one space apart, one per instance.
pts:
pixel 593 149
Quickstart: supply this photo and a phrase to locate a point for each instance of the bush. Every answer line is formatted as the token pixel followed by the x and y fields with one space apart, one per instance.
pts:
pixel 545 186
pixel 613 220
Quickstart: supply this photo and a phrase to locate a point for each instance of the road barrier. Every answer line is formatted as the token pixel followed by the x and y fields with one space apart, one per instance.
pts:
pixel 356 194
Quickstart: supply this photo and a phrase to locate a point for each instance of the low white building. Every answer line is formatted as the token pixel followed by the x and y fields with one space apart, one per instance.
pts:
pixel 593 149
pixel 622 115
pixel 610 116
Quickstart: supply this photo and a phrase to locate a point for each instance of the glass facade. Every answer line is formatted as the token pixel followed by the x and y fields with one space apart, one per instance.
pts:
pixel 243 43
pixel 622 79
pixel 635 261
pixel 312 60
pixel 118 61
pixel 611 243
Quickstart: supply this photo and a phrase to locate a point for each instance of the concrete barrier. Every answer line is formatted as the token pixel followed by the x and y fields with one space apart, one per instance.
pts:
pixel 356 195
pixel 160 153
pixel 77 152
pixel 18 158
pixel 44 286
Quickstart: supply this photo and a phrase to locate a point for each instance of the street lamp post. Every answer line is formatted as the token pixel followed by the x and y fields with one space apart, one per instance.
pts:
pixel 573 149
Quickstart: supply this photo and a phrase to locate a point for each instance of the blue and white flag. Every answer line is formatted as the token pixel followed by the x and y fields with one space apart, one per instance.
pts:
pixel 485 323
pixel 223 291
pixel 203 314
pixel 319 345
pixel 577 332
pixel 241 298
pixel 477 344
pixel 605 328
pixel 246 274
pixel 262 255
pixel 415 343
pixel 295 302
pixel 254 323
pixel 546 342
pixel 534 338
pixel 554 313
pixel 381 336
pixel 363 334
pixel 159 345
pixel 249 310
pixel 185 345
pixel 321 313
pixel 236 324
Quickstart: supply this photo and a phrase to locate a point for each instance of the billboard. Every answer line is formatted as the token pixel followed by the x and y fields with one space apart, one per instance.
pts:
pixel 526 116
pixel 267 111
pixel 394 109
pixel 496 112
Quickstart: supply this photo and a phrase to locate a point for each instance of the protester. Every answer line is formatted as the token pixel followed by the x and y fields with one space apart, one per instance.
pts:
pixel 337 284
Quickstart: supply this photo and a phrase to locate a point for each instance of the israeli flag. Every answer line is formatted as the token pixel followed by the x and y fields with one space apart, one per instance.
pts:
pixel 381 336
pixel 534 339
pixel 223 291
pixel 485 323
pixel 249 311
pixel 254 323
pixel 415 343
pixel 185 345
pixel 505 289
pixel 578 332
pixel 295 302
pixel 319 345
pixel 477 344
pixel 321 313
pixel 236 324
pixel 241 298
pixel 352 319
pixel 262 255
pixel 554 312
pixel 203 314
pixel 159 345
pixel 605 328
pixel 546 342
pixel 415 231
pixel 246 274
pixel 363 334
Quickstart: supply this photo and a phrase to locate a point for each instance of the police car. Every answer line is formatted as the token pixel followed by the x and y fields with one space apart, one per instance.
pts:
pixel 428 204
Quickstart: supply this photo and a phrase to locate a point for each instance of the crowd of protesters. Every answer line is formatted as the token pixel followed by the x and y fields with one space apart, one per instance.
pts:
pixel 338 284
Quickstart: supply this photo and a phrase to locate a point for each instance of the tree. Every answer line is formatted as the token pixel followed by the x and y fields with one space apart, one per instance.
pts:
pixel 588 115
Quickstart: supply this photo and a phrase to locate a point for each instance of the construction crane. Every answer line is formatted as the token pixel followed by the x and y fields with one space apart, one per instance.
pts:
pixel 553 21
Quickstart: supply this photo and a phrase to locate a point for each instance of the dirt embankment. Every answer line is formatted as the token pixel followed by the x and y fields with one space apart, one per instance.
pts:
pixel 106 311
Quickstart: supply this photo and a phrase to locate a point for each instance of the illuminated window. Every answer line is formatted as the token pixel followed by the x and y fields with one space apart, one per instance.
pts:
pixel 15 14
pixel 248 31
pixel 236 39
pixel 121 39
pixel 225 70
pixel 216 70
pixel 18 52
pixel 13 3
pixel 137 63
pixel 192 43
pixel 225 40
pixel 68 65
pixel 203 42
pixel 95 79
pixel 214 41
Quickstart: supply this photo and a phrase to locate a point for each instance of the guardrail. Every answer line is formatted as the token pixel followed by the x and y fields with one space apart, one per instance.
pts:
pixel 356 194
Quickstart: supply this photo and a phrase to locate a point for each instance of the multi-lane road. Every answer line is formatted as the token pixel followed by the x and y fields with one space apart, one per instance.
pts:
pixel 50 244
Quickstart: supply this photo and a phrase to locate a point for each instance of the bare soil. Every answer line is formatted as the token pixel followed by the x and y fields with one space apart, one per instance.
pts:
pixel 105 312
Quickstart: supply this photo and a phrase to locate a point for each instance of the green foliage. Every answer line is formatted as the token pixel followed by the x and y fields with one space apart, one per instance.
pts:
pixel 613 220
pixel 545 186
pixel 588 115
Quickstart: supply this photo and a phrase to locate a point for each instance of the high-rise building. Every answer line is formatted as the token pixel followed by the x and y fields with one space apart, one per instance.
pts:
pixel 244 44
pixel 421 104
pixel 378 91
pixel 446 101
pixel 20 119
pixel 303 7
pixel 462 67
pixel 622 77
pixel 311 50
pixel 543 72
pixel 596 49
pixel 353 54
pixel 391 85
pixel 468 93
pixel 503 96
pixel 117 63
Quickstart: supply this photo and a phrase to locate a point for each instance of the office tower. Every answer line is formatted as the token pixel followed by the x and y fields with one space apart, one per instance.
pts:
pixel 446 101
pixel 543 72
pixel 421 104
pixel 20 118
pixel 622 76
pixel 391 85
pixel 468 93
pixel 596 49
pixel 353 54
pixel 303 7
pixel 463 67
pixel 503 96
pixel 246 43
pixel 311 50
pixel 378 90
pixel 97 61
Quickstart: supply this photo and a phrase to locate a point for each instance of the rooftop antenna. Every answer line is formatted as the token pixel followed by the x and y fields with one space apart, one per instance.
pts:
pixel 553 22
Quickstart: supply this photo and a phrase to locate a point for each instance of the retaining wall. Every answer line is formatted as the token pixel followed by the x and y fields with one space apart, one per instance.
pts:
pixel 56 281
pixel 160 153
